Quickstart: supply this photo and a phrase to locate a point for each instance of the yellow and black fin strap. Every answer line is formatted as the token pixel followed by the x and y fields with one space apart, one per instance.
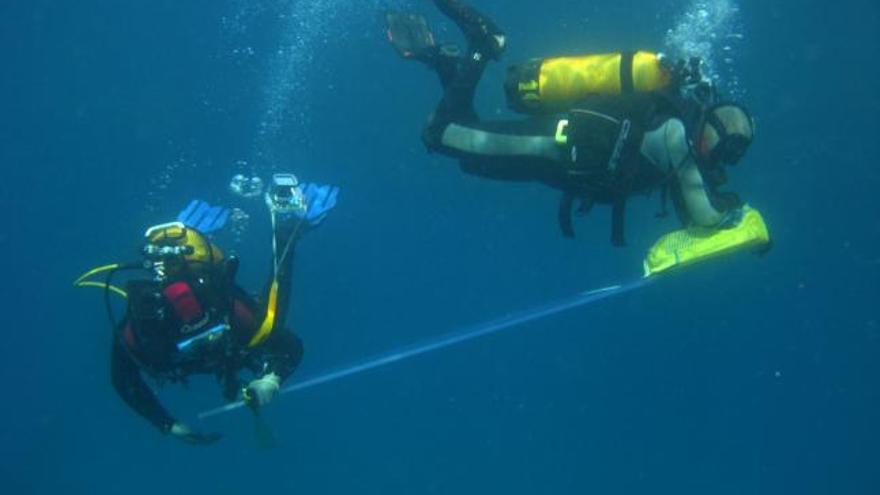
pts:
pixel 618 214
pixel 566 204
pixel 627 85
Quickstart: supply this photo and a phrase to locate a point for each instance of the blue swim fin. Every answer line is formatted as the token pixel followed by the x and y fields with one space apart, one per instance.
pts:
pixel 204 217
pixel 320 200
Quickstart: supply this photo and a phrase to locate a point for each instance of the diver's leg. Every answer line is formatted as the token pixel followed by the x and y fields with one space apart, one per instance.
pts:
pixel 457 104
pixel 446 62
pixel 288 229
pixel 485 42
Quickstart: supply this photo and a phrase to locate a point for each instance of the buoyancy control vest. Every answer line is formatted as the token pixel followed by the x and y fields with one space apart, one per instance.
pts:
pixel 602 135
pixel 169 324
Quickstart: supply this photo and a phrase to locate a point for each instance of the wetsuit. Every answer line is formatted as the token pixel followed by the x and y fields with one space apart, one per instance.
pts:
pixel 653 152
pixel 146 341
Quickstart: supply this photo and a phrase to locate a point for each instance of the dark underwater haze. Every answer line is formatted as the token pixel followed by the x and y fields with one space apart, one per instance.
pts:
pixel 744 376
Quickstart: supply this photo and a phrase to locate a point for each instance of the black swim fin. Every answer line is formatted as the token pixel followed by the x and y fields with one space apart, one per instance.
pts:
pixel 410 35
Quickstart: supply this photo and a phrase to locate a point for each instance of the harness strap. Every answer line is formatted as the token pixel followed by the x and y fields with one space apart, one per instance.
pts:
pixel 716 124
pixel 664 201
pixel 566 204
pixel 627 85
pixel 127 335
pixel 618 211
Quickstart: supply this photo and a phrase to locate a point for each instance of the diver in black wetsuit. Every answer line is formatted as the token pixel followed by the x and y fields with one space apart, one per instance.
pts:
pixel 191 317
pixel 599 147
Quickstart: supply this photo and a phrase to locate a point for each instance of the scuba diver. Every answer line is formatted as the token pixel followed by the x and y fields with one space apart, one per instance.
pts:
pixel 190 317
pixel 600 128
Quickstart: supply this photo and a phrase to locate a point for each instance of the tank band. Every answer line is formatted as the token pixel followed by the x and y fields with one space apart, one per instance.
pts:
pixel 627 85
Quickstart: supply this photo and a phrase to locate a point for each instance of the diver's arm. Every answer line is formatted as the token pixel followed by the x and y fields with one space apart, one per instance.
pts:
pixel 281 353
pixel 295 209
pixel 667 148
pixel 286 234
pixel 275 358
pixel 696 198
pixel 130 385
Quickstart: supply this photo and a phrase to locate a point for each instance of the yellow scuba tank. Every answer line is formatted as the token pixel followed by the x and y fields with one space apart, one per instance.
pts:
pixel 551 85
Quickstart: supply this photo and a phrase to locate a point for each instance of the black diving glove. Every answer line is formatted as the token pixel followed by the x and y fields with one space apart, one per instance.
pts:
pixel 192 437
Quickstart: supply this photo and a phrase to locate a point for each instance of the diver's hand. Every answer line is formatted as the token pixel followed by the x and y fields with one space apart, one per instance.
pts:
pixel 261 391
pixel 192 437
pixel 732 218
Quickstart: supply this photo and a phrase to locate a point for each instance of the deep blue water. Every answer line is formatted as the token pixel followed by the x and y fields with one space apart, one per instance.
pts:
pixel 747 375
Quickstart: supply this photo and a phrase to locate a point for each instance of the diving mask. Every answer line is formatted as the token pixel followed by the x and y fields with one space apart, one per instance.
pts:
pixel 734 129
pixel 167 240
pixel 173 245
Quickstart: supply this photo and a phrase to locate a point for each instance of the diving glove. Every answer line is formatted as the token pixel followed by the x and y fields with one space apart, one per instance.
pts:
pixel 732 218
pixel 192 437
pixel 261 391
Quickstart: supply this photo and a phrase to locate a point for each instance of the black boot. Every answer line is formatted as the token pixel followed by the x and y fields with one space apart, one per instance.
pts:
pixel 484 36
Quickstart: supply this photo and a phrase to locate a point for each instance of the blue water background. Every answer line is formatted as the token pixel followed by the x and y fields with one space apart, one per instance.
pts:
pixel 748 375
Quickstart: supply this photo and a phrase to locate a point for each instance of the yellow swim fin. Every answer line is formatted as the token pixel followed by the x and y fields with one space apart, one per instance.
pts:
pixel 692 245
